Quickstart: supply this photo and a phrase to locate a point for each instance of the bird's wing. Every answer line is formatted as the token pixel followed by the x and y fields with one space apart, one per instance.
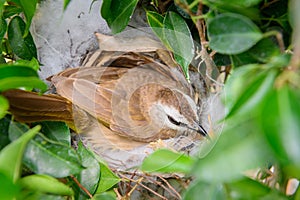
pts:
pixel 104 90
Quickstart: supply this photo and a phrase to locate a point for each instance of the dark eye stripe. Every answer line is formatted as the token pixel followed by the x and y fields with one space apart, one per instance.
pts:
pixel 173 121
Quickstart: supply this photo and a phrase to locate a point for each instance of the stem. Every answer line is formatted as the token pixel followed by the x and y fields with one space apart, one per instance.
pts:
pixel 199 17
pixel 199 22
pixel 294 7
pixel 279 39
pixel 81 186
pixel 193 4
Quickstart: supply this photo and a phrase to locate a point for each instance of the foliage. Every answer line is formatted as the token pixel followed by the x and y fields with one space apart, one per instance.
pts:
pixel 261 95
pixel 256 39
pixel 39 162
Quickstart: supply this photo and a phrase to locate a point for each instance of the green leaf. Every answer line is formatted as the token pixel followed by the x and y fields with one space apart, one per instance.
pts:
pixel 2 60
pixel 17 82
pixel 56 131
pixel 11 156
pixel 238 3
pixel 45 184
pixel 3 28
pixel 3 106
pixel 241 59
pixel 156 21
pixel 208 190
pixel 89 177
pixel 45 196
pixel 4 125
pixel 248 93
pixel 240 147
pixel 44 156
pixel 244 188
pixel 107 179
pixel 264 51
pixel 66 3
pixel 228 7
pixel 28 83
pixel 29 8
pixel 16 71
pixel 247 188
pixel 279 120
pixel 23 47
pixel 8 189
pixel 117 13
pixel 1 7
pixel 16 76
pixel 164 160
pixel 33 63
pixel 232 33
pixel 9 11
pixel 111 195
pixel 179 38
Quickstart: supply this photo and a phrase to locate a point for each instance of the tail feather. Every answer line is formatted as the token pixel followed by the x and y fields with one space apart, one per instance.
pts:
pixel 32 107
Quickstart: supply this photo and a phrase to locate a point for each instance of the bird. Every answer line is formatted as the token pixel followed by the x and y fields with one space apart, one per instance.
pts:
pixel 128 93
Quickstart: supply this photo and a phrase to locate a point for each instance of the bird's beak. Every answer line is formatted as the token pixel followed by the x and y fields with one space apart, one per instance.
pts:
pixel 199 129
pixel 202 131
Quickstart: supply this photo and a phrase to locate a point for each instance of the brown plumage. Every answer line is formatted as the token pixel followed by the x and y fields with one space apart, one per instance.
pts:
pixel 137 96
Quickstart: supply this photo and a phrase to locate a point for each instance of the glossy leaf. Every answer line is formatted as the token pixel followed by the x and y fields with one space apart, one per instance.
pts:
pixel 105 196
pixel 164 160
pixel 3 28
pixel 16 76
pixel 1 6
pixel 29 8
pixel 232 33
pixel 2 60
pixel 23 47
pixel 56 131
pixel 280 123
pixel 8 189
pixel 208 191
pixel 179 38
pixel 244 188
pixel 66 3
pixel 16 70
pixel 239 148
pixel 107 179
pixel 17 82
pixel 89 177
pixel 117 13
pixel 242 59
pixel 4 125
pixel 262 52
pixel 156 21
pixel 240 3
pixel 9 10
pixel 45 184
pixel 44 156
pixel 11 156
pixel 3 106
pixel 33 63
pixel 247 188
pixel 242 93
pixel 44 196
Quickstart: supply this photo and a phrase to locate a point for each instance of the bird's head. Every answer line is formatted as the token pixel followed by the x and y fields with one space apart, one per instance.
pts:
pixel 177 111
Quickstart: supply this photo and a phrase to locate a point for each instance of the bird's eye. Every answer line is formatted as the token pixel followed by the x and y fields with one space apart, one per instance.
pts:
pixel 173 121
